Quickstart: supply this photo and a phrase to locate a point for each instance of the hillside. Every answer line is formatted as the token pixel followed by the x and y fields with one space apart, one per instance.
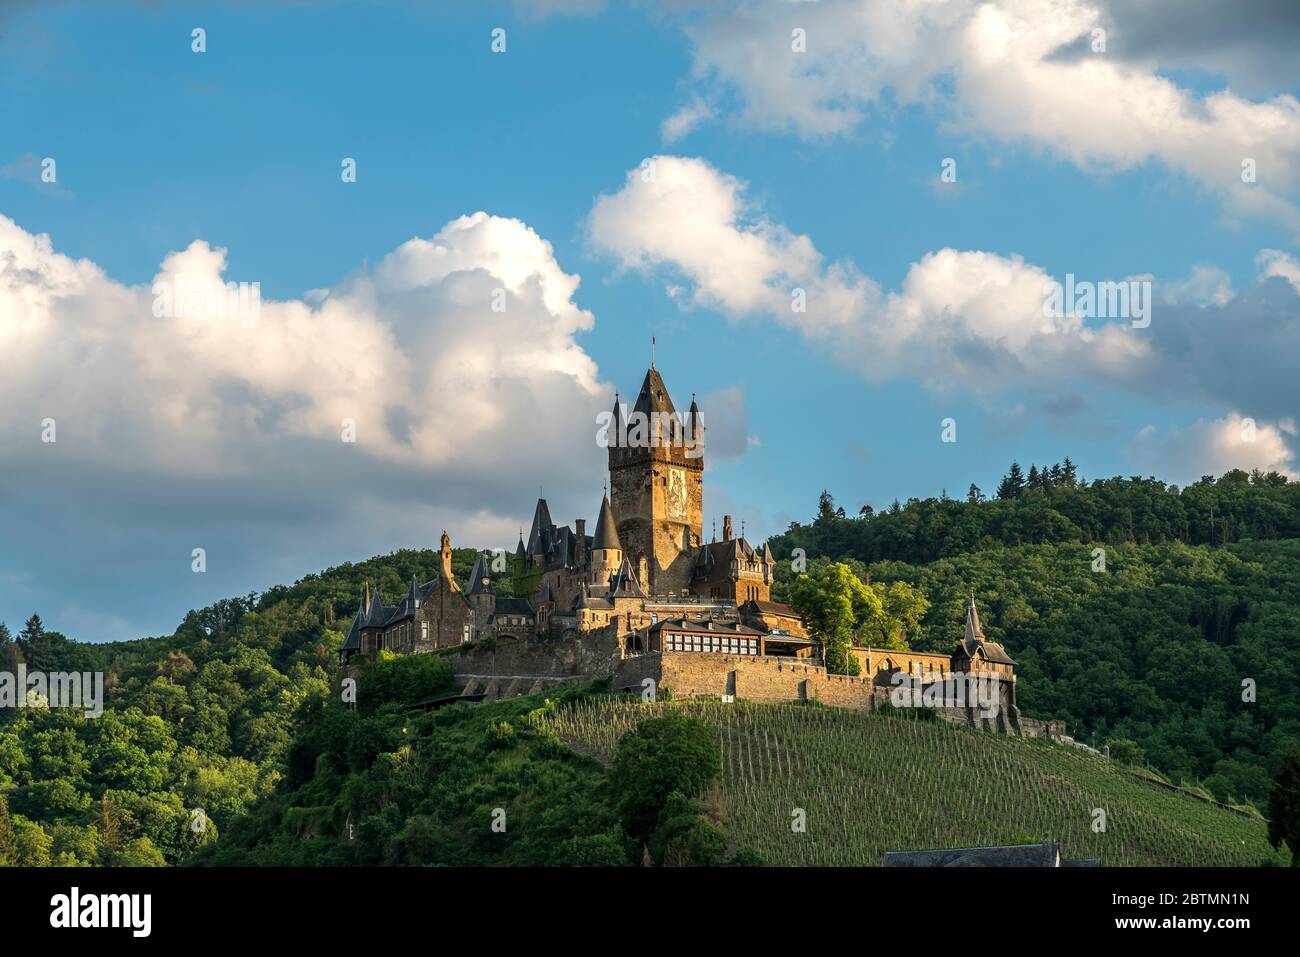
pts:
pixel 1153 654
pixel 411 788
pixel 872 783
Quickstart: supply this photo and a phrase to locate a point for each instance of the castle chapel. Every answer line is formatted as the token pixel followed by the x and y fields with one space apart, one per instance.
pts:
pixel 646 574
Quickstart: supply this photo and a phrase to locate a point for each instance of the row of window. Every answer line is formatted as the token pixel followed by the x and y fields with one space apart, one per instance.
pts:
pixel 720 644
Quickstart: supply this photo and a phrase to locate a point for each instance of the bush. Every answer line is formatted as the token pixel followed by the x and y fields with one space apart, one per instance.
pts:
pixel 661 756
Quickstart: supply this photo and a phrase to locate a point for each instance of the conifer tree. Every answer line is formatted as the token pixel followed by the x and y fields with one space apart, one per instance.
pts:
pixel 1013 483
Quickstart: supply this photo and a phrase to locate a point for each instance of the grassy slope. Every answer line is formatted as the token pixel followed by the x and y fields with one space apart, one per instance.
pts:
pixel 871 783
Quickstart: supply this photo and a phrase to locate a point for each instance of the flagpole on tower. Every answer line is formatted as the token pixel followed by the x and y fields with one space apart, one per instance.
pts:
pixel 652 352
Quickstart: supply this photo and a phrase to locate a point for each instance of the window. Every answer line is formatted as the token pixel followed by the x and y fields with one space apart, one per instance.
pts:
pixel 464 633
pixel 424 631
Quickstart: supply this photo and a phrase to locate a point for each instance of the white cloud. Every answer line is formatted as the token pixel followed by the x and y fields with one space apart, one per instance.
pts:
pixel 1274 262
pixel 1206 285
pixel 456 405
pixel 687 118
pixel 961 318
pixel 994 68
pixel 1211 448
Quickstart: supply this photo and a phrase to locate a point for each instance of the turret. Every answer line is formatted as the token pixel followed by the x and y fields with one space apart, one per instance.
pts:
pixel 479 592
pixel 606 550
pixel 694 432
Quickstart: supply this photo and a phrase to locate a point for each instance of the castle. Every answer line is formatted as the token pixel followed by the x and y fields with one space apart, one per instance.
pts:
pixel 646 601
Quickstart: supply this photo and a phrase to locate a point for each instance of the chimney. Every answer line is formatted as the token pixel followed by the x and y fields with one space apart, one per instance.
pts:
pixel 580 546
pixel 726 528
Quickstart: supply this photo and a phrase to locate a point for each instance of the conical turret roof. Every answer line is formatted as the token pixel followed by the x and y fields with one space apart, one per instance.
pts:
pixel 478 576
pixel 606 528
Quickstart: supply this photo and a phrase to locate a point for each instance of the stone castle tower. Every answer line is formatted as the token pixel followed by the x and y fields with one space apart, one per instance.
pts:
pixel 656 474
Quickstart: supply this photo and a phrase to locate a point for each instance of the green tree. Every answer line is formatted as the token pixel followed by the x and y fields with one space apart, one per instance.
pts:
pixel 1013 483
pixel 662 756
pixel 835 603
pixel 1125 751
pixel 37 645
pixel 8 842
pixel 1284 805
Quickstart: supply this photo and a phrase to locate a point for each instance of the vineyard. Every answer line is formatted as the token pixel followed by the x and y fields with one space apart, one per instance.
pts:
pixel 869 783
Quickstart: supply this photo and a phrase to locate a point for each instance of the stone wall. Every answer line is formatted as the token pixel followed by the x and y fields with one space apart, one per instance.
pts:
pixel 511 666
pixel 594 656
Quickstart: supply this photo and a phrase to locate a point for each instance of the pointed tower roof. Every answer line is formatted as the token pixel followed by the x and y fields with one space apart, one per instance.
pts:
pixel 624 583
pixel 376 614
pixel 615 425
pixel 767 555
pixel 539 538
pixel 654 395
pixel 478 576
pixel 606 528
pixel 973 630
pixel 353 640
pixel 695 425
pixel 519 549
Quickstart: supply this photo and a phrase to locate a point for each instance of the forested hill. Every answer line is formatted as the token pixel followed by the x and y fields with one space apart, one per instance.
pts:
pixel 1051 506
pixel 1194 592
pixel 200 719
pixel 1150 653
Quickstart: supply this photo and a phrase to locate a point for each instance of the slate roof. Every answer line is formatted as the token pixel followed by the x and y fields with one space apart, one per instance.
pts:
pixel 713 627
pixel 654 396
pixel 974 643
pixel 478 576
pixel 514 606
pixel 606 528
pixel 713 559
pixel 771 608
pixel 587 600
pixel 624 583
pixel 353 640
pixel 694 424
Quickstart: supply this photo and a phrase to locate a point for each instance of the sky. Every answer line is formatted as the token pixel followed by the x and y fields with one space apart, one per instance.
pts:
pixel 840 221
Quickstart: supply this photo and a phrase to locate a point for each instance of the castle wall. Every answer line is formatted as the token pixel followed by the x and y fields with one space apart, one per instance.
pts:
pixel 596 655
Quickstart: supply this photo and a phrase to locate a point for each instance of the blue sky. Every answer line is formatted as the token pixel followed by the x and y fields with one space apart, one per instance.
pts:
pixel 240 147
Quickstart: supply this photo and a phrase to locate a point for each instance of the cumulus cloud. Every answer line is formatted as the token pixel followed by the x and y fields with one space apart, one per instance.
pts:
pixel 456 357
pixel 998 68
pixel 1211 448
pixel 961 318
pixel 447 342
pixel 1251 42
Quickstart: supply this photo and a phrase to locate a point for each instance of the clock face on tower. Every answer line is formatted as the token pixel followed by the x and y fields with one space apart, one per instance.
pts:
pixel 677 495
